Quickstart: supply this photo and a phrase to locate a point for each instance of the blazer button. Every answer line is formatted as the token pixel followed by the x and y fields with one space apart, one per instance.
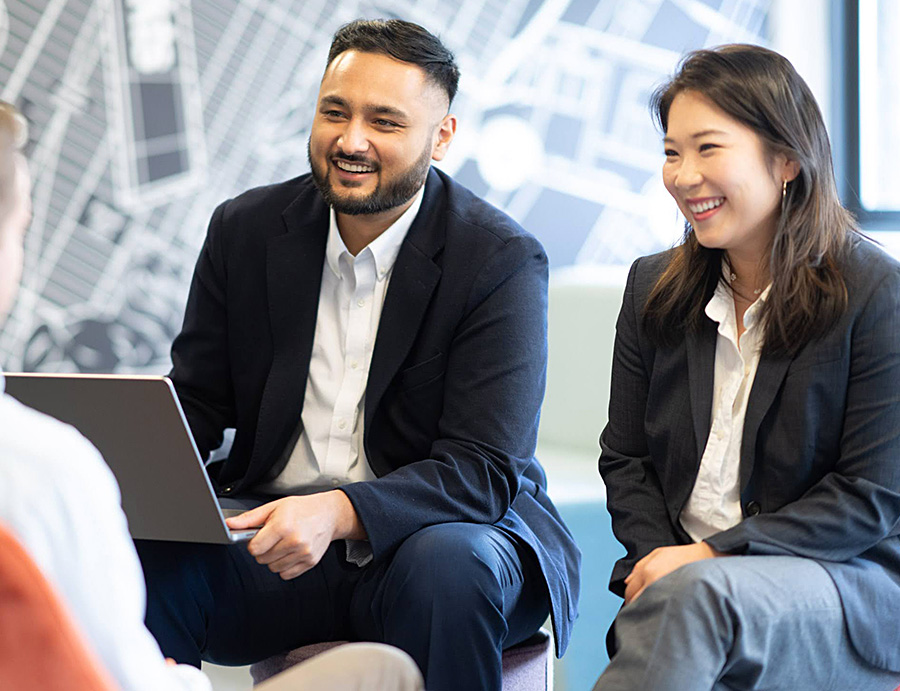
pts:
pixel 227 490
pixel 753 508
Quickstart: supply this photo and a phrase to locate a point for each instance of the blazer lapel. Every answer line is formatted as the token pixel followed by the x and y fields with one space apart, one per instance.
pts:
pixel 701 359
pixel 413 281
pixel 769 375
pixel 294 264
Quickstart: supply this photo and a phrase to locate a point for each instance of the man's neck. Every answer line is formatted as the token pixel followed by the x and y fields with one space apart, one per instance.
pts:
pixel 358 231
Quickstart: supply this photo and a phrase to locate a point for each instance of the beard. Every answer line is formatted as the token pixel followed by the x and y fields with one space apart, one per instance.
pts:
pixel 386 195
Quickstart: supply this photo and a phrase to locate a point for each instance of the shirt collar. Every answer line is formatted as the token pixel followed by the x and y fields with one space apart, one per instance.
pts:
pixel 720 307
pixel 384 248
pixel 2 383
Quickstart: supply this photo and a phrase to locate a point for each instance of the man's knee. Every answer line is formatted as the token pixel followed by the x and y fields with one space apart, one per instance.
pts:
pixel 458 563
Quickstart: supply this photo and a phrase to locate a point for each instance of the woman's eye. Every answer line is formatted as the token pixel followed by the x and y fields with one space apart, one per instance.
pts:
pixel 707 147
pixel 671 152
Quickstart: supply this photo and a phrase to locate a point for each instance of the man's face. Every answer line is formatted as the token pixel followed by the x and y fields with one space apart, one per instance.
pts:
pixel 13 224
pixel 379 124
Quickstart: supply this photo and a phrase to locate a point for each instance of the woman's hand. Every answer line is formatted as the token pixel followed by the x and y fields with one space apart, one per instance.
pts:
pixel 661 562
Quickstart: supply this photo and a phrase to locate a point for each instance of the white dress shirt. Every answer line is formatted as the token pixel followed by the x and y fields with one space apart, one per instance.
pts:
pixel 715 502
pixel 329 451
pixel 62 503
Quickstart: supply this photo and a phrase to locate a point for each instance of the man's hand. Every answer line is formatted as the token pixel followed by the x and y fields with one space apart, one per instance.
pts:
pixel 661 562
pixel 296 531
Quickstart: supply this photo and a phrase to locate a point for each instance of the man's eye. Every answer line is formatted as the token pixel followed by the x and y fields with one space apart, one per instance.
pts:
pixel 671 152
pixel 385 123
pixel 333 114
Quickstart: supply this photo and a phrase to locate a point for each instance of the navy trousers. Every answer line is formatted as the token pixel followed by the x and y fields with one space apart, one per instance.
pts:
pixel 453 596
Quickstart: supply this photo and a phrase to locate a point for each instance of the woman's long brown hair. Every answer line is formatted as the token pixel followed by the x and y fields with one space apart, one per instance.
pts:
pixel 761 89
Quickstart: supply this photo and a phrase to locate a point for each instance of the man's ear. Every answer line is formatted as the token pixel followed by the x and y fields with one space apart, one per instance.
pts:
pixel 443 136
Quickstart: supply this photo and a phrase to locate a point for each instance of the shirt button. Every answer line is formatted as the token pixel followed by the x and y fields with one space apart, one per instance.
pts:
pixel 361 302
pixel 354 364
pixel 335 482
pixel 342 424
pixel 753 508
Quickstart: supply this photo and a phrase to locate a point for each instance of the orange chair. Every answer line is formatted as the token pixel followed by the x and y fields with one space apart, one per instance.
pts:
pixel 41 648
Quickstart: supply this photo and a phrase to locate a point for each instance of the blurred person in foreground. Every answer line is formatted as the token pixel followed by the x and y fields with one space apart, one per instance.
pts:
pixel 61 502
pixel 752 453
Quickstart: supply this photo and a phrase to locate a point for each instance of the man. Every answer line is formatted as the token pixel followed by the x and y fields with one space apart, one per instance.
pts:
pixel 61 502
pixel 377 336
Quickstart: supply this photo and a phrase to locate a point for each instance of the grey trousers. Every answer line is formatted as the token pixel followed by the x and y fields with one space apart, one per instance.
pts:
pixel 351 667
pixel 739 623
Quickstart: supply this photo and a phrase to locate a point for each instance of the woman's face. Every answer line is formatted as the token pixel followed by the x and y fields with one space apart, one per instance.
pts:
pixel 719 174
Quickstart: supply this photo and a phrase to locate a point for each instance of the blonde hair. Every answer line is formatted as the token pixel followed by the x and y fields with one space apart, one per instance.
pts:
pixel 13 137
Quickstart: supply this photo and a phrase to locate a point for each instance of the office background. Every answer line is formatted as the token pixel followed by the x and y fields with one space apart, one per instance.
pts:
pixel 145 114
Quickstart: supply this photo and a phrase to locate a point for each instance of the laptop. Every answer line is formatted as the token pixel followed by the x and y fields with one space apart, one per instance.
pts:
pixel 137 424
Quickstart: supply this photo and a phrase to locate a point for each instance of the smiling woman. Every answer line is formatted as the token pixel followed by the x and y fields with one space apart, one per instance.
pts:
pixel 746 146
pixel 753 411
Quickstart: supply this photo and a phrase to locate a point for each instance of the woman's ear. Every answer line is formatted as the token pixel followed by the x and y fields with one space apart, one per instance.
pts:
pixel 790 170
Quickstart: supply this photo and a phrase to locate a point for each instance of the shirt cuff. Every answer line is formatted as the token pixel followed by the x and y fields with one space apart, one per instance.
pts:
pixel 359 552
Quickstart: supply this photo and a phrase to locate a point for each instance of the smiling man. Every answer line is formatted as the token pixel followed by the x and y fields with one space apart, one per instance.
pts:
pixel 376 335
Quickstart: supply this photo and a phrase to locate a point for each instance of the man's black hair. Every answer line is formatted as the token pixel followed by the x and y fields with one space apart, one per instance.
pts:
pixel 402 41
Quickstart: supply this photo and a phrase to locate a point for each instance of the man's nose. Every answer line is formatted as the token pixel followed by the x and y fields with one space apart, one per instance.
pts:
pixel 354 139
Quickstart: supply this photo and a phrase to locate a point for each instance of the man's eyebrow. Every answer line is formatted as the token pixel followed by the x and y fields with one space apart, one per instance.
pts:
pixel 386 110
pixel 391 111
pixel 333 101
pixel 697 135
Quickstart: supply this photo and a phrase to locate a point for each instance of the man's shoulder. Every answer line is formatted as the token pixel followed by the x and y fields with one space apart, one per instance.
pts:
pixel 273 198
pixel 469 213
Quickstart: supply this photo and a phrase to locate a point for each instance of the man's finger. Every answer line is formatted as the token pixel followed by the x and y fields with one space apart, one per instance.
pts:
pixel 281 550
pixel 263 541
pixel 254 518
pixel 287 562
pixel 294 572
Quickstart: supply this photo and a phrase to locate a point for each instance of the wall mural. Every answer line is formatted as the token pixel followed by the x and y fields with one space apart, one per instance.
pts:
pixel 145 114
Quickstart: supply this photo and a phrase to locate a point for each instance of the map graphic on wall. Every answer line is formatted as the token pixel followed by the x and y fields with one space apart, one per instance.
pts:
pixel 146 114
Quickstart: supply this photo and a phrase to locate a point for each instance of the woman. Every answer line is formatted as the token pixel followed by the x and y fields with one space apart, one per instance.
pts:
pixel 752 454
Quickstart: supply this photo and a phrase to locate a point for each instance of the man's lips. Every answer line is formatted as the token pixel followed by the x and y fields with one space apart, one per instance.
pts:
pixel 353 167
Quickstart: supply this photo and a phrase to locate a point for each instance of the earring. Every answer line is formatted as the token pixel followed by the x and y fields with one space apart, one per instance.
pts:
pixel 783 195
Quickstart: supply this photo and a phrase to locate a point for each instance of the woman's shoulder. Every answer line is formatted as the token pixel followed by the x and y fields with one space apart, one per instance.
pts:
pixel 646 270
pixel 867 267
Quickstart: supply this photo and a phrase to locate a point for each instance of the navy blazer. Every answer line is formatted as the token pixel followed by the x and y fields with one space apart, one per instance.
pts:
pixel 455 384
pixel 820 453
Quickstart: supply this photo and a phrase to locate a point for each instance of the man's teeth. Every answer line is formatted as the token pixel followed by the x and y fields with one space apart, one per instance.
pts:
pixel 353 167
pixel 706 206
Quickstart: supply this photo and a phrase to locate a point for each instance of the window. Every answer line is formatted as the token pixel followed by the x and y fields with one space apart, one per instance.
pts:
pixel 869 55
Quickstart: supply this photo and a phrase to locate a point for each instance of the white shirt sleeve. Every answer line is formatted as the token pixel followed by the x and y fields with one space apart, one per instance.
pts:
pixel 62 502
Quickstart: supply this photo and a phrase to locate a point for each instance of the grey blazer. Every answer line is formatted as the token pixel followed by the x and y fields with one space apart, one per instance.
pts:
pixel 820 455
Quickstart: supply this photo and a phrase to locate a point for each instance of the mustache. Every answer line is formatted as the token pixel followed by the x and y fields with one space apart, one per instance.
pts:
pixel 355 158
